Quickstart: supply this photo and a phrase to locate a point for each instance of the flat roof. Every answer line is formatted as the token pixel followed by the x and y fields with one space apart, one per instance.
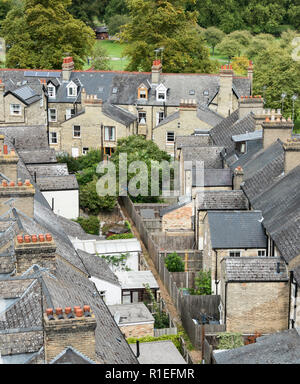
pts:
pixel 136 279
pixel 104 247
pixel 158 352
pixel 131 313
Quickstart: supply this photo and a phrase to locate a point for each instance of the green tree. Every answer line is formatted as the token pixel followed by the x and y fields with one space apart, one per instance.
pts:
pixel 203 283
pixel 276 72
pixel 240 65
pixel 90 225
pixel 100 59
pixel 90 201
pixel 154 24
pixel 138 148
pixel 230 340
pixel 114 8
pixel 229 47
pixel 39 34
pixel 259 44
pixel 115 23
pixel 242 37
pixel 87 11
pixel 213 36
pixel 174 263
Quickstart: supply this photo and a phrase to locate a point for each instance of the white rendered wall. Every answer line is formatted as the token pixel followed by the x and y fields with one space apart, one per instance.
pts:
pixel 66 203
pixel 113 293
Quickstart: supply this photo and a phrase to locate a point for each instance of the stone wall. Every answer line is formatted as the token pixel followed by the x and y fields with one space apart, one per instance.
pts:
pixel 137 330
pixel 180 218
pixel 257 307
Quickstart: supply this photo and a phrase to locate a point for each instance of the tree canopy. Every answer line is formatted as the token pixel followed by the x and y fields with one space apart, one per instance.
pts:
pixel 39 34
pixel 155 24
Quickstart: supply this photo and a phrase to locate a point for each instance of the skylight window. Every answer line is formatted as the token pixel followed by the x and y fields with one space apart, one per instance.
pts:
pixel 115 90
pixel 206 93
pixel 192 92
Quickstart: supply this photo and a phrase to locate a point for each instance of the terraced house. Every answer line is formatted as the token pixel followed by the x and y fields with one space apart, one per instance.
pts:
pixel 93 109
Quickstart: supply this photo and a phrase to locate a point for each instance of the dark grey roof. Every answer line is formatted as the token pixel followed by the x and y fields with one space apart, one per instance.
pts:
pixel 118 114
pixel 263 169
pixel 26 94
pixel 98 267
pixel 252 147
pixel 193 140
pixel 278 348
pixel 27 137
pixel 54 169
pixel 70 288
pixel 208 116
pixel 209 155
pixel 71 356
pixel 221 177
pixel 222 200
pixel 57 183
pixel 101 29
pixel 222 133
pixel 237 229
pixel 39 156
pixel 254 269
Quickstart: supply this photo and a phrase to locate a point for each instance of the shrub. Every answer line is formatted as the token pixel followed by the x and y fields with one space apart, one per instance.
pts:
pixel 92 202
pixel 121 236
pixel 85 176
pixel 202 284
pixel 174 263
pixel 228 340
pixel 89 225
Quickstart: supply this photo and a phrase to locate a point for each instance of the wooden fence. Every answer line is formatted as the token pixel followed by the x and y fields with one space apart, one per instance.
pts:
pixel 190 307
pixel 165 331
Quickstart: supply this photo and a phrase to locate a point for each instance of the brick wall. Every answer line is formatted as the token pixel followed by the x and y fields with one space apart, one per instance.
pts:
pixel 78 333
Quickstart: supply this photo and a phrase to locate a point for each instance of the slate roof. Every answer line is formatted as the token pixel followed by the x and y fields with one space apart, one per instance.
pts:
pixel 193 140
pixel 221 177
pixel 222 200
pixel 98 267
pixel 26 138
pixel 57 183
pixel 222 133
pixel 26 94
pixel 54 169
pixel 71 356
pixel 254 269
pixel 209 155
pixel 236 229
pixel 173 116
pixel 261 171
pixel 118 114
pixel 248 136
pixel 253 147
pixel 209 116
pixel 278 348
pixel 38 156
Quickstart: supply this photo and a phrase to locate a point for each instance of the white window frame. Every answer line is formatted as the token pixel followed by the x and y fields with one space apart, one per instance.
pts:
pixel 76 136
pixel 69 113
pixel 161 90
pixel 107 133
pixel 50 118
pixel 141 118
pixel 53 95
pixel 85 150
pixel 262 250
pixel 51 137
pixel 74 89
pixel 158 119
pixel 42 102
pixel 16 111
pixel 168 141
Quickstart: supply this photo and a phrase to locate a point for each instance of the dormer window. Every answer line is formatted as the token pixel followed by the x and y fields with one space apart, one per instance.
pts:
pixel 142 92
pixel 161 93
pixel 51 91
pixel 72 89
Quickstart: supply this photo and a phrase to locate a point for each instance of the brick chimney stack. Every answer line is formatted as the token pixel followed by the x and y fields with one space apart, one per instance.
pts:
pixel 22 193
pixel 249 104
pixel 67 68
pixel 156 71
pixel 225 104
pixel 35 249
pixel 8 161
pixel 90 100
pixel 69 328
pixel 276 128
pixel 291 154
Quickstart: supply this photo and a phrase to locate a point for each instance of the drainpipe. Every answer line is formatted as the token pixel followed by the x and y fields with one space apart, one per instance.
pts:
pixel 225 304
pixel 47 117
pixel 216 274
pixel 290 299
